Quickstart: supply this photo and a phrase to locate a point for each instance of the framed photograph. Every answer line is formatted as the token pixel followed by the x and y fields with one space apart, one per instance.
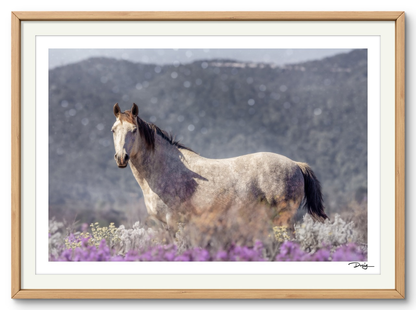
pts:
pixel 265 155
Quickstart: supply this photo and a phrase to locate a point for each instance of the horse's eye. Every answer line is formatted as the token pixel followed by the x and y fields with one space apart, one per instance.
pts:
pixel 112 130
pixel 134 130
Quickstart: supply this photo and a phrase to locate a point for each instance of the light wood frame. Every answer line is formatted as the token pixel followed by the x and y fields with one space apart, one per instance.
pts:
pixel 397 293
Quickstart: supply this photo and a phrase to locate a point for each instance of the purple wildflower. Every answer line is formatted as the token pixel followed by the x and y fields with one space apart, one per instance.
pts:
pixel 350 252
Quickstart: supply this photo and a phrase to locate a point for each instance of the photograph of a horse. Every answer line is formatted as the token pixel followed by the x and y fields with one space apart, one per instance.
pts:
pixel 176 181
pixel 232 155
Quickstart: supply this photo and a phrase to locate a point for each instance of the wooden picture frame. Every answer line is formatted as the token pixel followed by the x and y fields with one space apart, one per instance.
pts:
pixel 398 292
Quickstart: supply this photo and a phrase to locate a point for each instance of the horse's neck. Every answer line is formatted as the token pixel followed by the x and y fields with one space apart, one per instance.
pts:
pixel 162 163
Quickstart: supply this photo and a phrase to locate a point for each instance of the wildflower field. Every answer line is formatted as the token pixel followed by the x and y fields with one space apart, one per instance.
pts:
pixel 333 240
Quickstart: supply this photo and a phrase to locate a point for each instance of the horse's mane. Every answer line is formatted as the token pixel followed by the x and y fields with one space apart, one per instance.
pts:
pixel 148 130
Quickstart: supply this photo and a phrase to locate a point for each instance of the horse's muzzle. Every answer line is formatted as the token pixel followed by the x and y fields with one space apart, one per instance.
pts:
pixel 122 161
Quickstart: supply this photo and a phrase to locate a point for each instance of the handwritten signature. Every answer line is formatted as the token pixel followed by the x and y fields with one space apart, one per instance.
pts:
pixel 362 265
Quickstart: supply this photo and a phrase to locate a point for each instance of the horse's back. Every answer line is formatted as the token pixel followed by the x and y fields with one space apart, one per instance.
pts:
pixel 271 173
pixel 266 162
pixel 264 170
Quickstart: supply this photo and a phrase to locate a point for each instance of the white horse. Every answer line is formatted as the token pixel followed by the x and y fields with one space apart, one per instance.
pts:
pixel 178 183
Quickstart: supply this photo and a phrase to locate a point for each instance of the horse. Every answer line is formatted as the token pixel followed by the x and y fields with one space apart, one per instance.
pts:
pixel 177 182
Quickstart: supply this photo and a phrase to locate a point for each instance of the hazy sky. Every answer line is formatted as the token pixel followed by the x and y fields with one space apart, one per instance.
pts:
pixel 59 57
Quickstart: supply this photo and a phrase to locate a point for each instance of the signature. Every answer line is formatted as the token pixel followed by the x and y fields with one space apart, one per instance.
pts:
pixel 362 265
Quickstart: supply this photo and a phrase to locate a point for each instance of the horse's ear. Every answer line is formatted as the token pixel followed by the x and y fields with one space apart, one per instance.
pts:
pixel 116 110
pixel 135 110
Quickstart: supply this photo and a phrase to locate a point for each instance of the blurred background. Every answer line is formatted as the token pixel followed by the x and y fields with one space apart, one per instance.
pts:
pixel 309 105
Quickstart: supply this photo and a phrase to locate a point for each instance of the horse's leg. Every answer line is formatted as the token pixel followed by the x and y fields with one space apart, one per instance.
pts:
pixel 286 211
pixel 172 223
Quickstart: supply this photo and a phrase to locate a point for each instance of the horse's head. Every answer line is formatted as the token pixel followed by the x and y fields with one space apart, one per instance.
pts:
pixel 124 133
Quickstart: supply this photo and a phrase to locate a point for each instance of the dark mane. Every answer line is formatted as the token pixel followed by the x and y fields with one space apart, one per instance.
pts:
pixel 148 130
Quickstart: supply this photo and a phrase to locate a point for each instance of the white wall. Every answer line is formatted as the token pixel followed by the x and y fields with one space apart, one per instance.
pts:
pixel 7 6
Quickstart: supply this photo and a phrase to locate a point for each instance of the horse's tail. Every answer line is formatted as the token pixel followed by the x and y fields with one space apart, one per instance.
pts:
pixel 313 195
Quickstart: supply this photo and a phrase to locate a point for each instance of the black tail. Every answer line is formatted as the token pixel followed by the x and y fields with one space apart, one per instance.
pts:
pixel 313 195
